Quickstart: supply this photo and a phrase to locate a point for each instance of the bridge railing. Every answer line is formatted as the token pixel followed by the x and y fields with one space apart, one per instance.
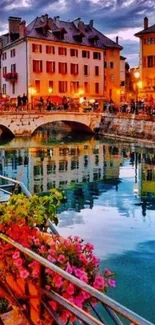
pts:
pixel 118 314
pixel 12 108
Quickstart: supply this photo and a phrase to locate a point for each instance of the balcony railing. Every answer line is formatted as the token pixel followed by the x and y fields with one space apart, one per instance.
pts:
pixel 110 307
pixel 11 76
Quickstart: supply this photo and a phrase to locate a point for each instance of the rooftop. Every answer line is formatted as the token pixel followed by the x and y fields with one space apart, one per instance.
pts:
pixel 73 32
pixel 148 30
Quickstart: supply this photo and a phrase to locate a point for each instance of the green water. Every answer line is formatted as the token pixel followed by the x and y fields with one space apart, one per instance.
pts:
pixel 110 191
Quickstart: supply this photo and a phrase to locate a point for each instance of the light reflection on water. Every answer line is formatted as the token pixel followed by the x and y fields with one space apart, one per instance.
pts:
pixel 110 191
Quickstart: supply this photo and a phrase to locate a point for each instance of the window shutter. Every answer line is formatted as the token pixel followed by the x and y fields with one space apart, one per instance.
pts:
pixel 40 48
pixel 53 66
pixel 41 66
pixel 154 60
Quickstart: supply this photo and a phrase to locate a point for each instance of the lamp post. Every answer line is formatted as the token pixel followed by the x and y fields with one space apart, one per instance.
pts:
pixel 136 75
pixel 32 92
pixel 50 90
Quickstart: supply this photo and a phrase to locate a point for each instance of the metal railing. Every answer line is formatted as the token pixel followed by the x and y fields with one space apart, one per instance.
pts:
pixel 111 307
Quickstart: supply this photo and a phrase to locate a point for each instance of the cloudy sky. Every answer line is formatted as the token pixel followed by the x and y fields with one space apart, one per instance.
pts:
pixel 113 17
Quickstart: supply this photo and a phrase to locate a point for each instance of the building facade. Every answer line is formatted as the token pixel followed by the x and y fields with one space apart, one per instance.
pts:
pixel 147 59
pixel 58 58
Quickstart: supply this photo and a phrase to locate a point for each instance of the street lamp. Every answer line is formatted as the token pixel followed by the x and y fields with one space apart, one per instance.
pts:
pixel 136 75
pixel 50 90
pixel 32 92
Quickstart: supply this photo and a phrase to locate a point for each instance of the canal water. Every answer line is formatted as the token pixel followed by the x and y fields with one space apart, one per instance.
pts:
pixel 110 191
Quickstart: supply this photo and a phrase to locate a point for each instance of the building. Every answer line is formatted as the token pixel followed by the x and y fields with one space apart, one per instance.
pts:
pixel 112 70
pixel 147 59
pixel 122 78
pixel 58 58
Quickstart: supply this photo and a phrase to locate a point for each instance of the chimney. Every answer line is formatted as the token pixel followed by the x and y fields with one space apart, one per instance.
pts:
pixel 14 23
pixel 91 23
pixel 76 22
pixel 22 28
pixel 117 39
pixel 56 19
pixel 146 23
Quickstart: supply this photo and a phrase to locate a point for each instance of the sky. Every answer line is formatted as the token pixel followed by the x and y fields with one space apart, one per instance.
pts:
pixel 121 18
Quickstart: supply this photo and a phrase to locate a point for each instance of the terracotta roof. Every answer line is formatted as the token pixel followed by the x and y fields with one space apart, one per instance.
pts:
pixel 44 27
pixel 148 30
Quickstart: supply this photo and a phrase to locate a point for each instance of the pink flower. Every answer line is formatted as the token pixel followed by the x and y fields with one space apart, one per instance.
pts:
pixel 95 260
pixel 58 281
pixel 61 259
pixel 51 251
pixel 51 259
pixel 69 269
pixel 70 289
pixel 89 247
pixel 42 249
pixel 16 255
pixel 77 302
pixel 18 262
pixel 83 258
pixel 86 295
pixel 99 282
pixel 107 272
pixel 24 274
pixel 78 272
pixel 112 283
pixel 84 277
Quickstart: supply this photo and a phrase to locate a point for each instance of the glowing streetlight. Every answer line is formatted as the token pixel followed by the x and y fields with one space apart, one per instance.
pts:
pixel 50 90
pixel 32 92
pixel 137 74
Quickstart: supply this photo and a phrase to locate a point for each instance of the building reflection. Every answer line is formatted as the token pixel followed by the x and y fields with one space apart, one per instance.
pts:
pixel 84 169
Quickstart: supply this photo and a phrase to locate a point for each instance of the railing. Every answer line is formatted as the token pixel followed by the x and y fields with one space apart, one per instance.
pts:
pixel 113 309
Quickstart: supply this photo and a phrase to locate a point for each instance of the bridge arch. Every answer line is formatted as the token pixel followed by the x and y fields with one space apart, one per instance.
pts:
pixel 5 131
pixel 75 126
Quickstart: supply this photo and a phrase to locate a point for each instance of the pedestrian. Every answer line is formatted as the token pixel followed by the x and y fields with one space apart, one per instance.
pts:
pixel 19 101
pixel 24 100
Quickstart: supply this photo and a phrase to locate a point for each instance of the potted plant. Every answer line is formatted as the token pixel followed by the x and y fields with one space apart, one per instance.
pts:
pixel 25 221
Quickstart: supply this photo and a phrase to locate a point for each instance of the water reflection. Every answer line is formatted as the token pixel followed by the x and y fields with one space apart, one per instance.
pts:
pixel 84 169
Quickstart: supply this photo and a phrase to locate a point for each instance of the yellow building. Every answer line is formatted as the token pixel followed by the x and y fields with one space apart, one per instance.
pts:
pixel 147 59
pixel 112 78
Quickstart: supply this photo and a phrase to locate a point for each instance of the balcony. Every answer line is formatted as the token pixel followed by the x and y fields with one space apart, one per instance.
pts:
pixel 11 76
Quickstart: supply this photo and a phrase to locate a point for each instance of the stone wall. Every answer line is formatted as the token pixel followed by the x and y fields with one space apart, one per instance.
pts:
pixel 128 127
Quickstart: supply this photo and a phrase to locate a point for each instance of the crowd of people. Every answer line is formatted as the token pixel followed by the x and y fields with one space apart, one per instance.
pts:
pixel 142 106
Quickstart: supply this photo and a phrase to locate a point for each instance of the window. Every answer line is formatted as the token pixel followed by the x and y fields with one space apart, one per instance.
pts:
pixel 50 66
pixel 150 61
pixel 37 66
pixel 97 56
pixel 4 71
pixel 85 70
pixel 62 67
pixel 74 164
pixel 105 64
pixel 86 87
pixel 111 65
pixel 150 40
pixel 74 86
pixel 50 49
pixel 62 51
pixel 13 68
pixel 12 53
pixel 62 86
pixel 51 168
pixel 51 84
pixel 74 68
pixel 13 88
pixel 73 52
pixel 4 89
pixel 36 48
pixel 63 166
pixel 37 85
pixel 4 56
pixel 86 54
pixel 96 71
pixel 97 87
pixel 112 77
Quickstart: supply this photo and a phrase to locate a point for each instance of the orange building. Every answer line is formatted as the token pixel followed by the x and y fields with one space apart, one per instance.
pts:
pixel 112 71
pixel 147 59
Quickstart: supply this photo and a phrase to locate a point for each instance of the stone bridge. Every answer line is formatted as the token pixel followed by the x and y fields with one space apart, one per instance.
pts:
pixel 24 123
